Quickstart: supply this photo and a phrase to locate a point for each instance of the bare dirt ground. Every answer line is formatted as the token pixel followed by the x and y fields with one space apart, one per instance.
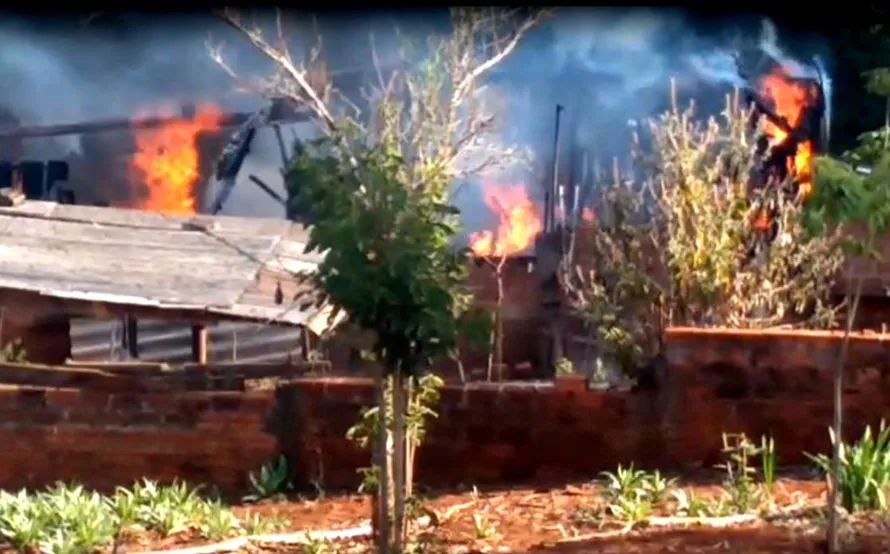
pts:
pixel 548 521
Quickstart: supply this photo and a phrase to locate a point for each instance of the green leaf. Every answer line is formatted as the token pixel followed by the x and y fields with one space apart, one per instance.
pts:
pixel 389 265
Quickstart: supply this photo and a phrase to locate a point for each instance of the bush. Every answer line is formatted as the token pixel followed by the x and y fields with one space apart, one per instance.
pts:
pixel 70 519
pixel 682 243
pixel 634 493
pixel 865 470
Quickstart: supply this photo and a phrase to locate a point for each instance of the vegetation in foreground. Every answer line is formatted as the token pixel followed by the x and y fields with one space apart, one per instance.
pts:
pixel 68 519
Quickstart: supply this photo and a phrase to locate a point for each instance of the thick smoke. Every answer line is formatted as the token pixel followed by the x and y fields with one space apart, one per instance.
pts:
pixel 611 69
pixel 607 67
pixel 67 72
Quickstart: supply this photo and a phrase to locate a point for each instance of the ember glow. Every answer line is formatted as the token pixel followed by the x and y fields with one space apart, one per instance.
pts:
pixel 518 223
pixel 167 161
pixel 790 100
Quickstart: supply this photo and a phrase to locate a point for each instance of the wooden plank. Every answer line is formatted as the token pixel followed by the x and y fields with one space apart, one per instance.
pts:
pixel 59 235
pixel 94 269
pixel 258 371
pixel 63 377
pixel 97 215
pixel 201 265
pixel 178 281
pixel 33 131
pixel 123 368
pixel 135 377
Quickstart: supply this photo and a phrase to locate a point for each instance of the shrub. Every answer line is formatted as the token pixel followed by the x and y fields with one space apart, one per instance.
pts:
pixel 70 519
pixel 865 469
pixel 682 243
pixel 272 480
pixel 634 493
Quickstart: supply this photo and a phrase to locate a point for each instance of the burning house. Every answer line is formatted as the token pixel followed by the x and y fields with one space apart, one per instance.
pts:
pixel 788 106
pixel 158 163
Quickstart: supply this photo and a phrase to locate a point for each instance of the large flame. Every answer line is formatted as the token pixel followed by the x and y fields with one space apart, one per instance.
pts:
pixel 518 223
pixel 790 99
pixel 167 161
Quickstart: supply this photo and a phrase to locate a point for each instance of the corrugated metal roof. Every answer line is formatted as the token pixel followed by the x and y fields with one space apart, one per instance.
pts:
pixel 222 265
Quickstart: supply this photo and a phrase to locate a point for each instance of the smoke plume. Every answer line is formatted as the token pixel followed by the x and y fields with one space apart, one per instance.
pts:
pixel 607 67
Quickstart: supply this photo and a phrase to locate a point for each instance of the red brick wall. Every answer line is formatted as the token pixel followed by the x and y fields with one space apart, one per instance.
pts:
pixel 780 382
pixel 104 440
pixel 715 381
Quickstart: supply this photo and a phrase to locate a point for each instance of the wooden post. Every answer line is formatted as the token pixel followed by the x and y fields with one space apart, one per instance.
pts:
pixel 199 344
pixel 305 344
pixel 131 335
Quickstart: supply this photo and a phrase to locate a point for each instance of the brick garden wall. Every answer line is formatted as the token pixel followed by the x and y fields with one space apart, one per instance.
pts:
pixel 104 440
pixel 715 381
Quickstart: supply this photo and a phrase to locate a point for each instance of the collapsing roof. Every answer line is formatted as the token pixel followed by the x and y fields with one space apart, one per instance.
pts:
pixel 103 262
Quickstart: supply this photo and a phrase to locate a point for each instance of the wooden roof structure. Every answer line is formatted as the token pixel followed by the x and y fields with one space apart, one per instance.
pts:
pixel 108 262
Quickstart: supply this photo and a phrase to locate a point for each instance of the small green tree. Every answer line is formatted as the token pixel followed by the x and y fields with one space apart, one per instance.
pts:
pixel 389 263
pixel 376 188
pixel 860 202
pixel 844 197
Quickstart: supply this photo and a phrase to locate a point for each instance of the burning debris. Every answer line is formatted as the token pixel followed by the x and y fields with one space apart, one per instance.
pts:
pixel 167 161
pixel 791 127
pixel 792 108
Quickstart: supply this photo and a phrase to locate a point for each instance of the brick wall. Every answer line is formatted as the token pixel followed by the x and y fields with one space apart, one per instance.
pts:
pixel 715 381
pixel 104 440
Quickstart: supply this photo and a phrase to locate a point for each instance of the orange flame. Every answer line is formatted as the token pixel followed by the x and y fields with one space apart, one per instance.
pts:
pixel 518 223
pixel 790 99
pixel 167 161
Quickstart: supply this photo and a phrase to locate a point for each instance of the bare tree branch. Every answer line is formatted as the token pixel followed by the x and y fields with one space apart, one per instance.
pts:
pixel 282 58
pixel 433 110
pixel 465 84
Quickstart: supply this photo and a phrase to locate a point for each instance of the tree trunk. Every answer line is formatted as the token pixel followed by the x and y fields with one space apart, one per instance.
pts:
pixel 492 341
pixel 887 124
pixel 833 539
pixel 400 406
pixel 462 374
pixel 499 327
pixel 381 461
pixel 411 442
